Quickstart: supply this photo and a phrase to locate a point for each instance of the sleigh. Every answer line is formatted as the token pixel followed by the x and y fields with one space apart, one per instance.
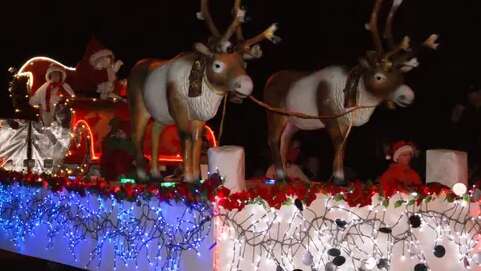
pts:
pixel 74 142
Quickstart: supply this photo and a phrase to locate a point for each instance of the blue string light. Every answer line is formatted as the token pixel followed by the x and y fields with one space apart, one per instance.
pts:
pixel 129 227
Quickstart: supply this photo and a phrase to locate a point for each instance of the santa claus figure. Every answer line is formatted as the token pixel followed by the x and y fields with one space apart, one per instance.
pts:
pixel 50 93
pixel 400 173
pixel 97 72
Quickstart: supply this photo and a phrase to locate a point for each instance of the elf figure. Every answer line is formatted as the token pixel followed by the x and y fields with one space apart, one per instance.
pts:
pixel 97 71
pixel 400 172
pixel 48 95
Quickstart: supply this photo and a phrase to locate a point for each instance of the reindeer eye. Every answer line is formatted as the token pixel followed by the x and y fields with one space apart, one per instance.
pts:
pixel 217 66
pixel 379 77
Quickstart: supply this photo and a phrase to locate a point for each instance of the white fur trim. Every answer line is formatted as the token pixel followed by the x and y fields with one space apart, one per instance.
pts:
pixel 404 148
pixel 101 53
pixel 54 68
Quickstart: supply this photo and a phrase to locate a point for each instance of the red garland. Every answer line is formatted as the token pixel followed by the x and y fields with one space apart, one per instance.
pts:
pixel 356 194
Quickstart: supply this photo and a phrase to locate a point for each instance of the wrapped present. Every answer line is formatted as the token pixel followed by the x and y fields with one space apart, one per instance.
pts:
pixel 447 167
pixel 229 162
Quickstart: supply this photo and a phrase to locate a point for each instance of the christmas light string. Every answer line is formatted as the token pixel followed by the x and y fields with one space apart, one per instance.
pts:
pixel 328 237
pixel 250 223
pixel 131 227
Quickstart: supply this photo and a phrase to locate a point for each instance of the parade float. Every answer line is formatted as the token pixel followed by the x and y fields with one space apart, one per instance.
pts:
pixel 76 187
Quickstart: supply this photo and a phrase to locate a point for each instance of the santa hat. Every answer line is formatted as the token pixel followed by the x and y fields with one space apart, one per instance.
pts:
pixel 400 147
pixel 95 50
pixel 55 68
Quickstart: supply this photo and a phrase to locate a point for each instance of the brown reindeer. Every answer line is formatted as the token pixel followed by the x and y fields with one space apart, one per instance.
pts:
pixel 334 90
pixel 187 90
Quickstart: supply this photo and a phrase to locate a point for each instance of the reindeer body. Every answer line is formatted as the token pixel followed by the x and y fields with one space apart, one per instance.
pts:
pixel 304 94
pixel 176 72
pixel 318 93
pixel 158 89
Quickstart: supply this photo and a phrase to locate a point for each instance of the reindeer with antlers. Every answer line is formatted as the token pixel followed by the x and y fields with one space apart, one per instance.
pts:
pixel 334 90
pixel 187 90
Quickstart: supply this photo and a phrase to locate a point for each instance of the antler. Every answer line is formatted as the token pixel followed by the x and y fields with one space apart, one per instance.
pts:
pixel 205 16
pixel 430 42
pixel 389 20
pixel 373 28
pixel 267 34
pixel 238 19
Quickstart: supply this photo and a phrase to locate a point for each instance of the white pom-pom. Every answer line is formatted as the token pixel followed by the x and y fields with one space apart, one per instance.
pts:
pixel 388 157
pixel 199 16
pixel 367 27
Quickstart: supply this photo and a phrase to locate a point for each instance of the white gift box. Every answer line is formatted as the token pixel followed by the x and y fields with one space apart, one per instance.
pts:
pixel 229 161
pixel 447 167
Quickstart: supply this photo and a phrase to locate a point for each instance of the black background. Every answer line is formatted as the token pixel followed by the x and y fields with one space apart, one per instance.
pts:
pixel 315 34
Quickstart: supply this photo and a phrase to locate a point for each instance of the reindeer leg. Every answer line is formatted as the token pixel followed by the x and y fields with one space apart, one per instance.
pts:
pixel 338 131
pixel 180 112
pixel 157 128
pixel 275 127
pixel 139 124
pixel 197 132
pixel 286 137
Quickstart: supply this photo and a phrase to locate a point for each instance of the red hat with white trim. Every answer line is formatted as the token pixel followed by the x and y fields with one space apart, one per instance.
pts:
pixel 95 50
pixel 55 68
pixel 400 147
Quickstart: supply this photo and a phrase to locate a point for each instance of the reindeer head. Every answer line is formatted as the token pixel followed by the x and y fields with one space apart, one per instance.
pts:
pixel 224 62
pixel 384 71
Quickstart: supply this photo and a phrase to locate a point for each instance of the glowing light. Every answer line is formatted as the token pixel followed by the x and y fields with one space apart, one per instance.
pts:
pixel 127 180
pixel 459 189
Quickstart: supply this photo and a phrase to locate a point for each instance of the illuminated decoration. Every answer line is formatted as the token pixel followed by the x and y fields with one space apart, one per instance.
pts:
pixel 294 226
pixel 127 180
pixel 22 72
pixel 102 233
pixel 459 189
pixel 428 230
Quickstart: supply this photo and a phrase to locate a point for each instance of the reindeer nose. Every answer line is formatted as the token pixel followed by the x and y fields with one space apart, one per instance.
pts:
pixel 243 85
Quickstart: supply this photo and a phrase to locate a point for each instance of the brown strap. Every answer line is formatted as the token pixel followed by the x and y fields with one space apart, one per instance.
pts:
pixel 196 74
pixel 351 90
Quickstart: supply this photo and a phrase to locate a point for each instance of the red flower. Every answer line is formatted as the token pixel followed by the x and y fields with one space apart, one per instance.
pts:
pixel 223 192
pixel 358 196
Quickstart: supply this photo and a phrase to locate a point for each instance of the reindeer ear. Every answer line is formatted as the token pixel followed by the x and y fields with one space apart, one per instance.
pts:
pixel 201 48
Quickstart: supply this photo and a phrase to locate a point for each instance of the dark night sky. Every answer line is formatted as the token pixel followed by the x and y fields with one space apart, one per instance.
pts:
pixel 315 34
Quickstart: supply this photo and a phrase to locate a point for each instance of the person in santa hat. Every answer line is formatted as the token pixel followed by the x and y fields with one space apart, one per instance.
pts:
pixel 400 172
pixel 97 71
pixel 48 95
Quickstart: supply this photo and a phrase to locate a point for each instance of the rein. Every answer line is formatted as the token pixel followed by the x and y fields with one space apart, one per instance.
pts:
pixel 306 116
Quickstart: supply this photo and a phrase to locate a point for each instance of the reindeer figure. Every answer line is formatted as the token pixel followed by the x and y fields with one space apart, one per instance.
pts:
pixel 334 90
pixel 188 89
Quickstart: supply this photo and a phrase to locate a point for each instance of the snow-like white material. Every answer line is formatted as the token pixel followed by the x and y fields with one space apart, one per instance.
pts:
pixel 446 166
pixel 229 161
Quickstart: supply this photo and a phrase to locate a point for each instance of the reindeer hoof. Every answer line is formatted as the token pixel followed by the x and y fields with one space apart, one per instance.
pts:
pixel 339 181
pixel 155 174
pixel 141 174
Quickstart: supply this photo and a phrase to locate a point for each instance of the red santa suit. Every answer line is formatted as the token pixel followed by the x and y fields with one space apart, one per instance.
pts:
pixel 50 93
pixel 399 175
pixel 96 72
